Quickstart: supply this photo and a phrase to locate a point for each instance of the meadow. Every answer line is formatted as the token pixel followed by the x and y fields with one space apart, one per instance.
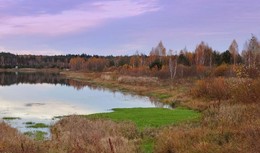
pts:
pixel 213 114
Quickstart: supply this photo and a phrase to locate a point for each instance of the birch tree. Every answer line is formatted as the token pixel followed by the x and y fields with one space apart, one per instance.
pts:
pixel 233 49
pixel 251 53
pixel 173 63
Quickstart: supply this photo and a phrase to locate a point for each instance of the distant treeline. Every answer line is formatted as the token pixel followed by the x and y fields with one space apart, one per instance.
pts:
pixel 160 62
pixel 8 60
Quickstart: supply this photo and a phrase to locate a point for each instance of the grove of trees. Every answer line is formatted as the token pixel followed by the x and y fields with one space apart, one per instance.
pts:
pixel 161 63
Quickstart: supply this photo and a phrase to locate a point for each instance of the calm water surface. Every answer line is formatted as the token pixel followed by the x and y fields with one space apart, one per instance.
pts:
pixel 39 97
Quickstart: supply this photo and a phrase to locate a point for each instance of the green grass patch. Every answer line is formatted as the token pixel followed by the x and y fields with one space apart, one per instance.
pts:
pixel 36 135
pixel 150 117
pixel 29 133
pixel 11 118
pixel 147 145
pixel 38 125
pixel 29 123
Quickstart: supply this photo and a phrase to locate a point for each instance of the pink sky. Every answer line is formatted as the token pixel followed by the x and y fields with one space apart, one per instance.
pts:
pixel 122 27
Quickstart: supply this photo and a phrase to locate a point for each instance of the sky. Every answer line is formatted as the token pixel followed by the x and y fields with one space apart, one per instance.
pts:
pixel 122 27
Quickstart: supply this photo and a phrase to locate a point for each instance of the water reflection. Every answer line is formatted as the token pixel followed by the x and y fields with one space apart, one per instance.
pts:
pixel 10 78
pixel 38 97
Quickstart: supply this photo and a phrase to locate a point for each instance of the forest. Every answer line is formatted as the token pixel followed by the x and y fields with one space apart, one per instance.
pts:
pixel 203 61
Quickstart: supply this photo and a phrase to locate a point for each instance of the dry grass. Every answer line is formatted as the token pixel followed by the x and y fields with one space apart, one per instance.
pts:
pixel 11 141
pixel 78 134
pixel 75 134
pixel 232 128
pixel 137 80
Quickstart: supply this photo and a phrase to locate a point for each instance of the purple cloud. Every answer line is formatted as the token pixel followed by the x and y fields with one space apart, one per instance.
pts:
pixel 124 26
pixel 80 18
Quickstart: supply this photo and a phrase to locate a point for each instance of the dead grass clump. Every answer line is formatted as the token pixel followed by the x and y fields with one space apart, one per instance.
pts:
pixel 11 141
pixel 78 134
pixel 230 116
pixel 108 76
pixel 137 80
pixel 193 140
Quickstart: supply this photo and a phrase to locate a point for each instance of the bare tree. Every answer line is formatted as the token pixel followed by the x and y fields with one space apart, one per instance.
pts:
pixel 159 51
pixel 203 54
pixel 251 52
pixel 173 63
pixel 233 49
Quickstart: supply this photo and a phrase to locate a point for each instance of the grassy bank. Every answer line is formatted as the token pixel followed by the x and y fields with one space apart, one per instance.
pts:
pixel 32 70
pixel 150 117
pixel 162 91
pixel 229 107
pixel 149 120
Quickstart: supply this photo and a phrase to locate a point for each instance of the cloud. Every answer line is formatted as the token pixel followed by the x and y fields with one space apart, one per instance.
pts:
pixel 6 3
pixel 38 52
pixel 83 17
pixel 35 52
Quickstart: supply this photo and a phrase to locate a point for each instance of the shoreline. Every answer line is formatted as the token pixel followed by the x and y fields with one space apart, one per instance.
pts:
pixel 31 70
pixel 169 92
pixel 163 91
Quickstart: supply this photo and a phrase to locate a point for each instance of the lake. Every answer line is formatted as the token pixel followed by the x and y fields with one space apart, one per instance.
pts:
pixel 40 97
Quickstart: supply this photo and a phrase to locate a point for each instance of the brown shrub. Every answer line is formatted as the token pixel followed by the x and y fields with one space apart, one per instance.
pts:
pixel 252 72
pixel 221 70
pixel 246 91
pixel 200 69
pixel 216 88
pixel 246 72
pixel 201 89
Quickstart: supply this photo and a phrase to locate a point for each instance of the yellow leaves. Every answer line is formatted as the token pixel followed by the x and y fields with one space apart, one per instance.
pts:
pixel 76 63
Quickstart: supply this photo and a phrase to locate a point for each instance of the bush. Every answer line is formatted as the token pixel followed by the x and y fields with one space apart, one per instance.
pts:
pixel 201 89
pixel 216 89
pixel 201 70
pixel 252 72
pixel 246 91
pixel 221 70
pixel 246 72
